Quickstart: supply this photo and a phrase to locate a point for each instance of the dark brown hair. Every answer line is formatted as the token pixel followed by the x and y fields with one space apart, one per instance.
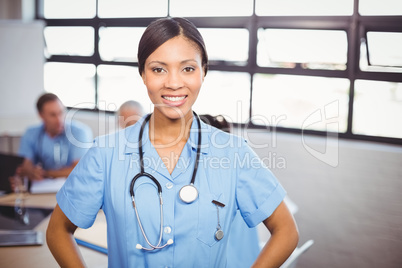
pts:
pixel 218 121
pixel 161 30
pixel 47 97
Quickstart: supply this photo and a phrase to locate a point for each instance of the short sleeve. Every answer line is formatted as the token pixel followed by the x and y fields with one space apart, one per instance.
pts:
pixel 258 192
pixel 81 196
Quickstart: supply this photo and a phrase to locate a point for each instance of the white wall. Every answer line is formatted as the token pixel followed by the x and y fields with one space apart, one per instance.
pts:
pixel 21 74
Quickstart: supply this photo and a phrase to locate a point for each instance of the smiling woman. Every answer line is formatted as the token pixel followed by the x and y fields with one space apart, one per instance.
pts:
pixel 173 85
pixel 192 231
pixel 173 73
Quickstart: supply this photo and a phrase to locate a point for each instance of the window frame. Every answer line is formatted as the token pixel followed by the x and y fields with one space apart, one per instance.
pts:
pixel 355 26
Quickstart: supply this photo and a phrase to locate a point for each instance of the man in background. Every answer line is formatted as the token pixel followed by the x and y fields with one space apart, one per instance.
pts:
pixel 53 148
pixel 129 113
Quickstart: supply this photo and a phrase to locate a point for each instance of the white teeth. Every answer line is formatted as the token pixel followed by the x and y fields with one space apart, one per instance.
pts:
pixel 174 98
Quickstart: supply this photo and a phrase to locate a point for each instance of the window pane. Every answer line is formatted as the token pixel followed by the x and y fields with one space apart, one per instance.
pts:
pixel 302 102
pixel 384 52
pixel 118 84
pixel 303 7
pixel 383 7
pixel 119 43
pixel 225 93
pixel 314 49
pixel 205 8
pixel 226 45
pixel 73 83
pixel 377 109
pixel 54 9
pixel 385 48
pixel 132 8
pixel 77 41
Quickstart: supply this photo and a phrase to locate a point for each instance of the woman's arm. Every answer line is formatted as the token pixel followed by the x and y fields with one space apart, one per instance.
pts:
pixel 60 240
pixel 283 240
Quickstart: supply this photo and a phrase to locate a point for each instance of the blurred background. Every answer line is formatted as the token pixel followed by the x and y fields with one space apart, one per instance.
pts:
pixel 315 86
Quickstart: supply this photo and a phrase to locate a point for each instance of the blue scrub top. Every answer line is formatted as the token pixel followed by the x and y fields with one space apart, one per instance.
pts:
pixel 243 245
pixel 57 152
pixel 229 172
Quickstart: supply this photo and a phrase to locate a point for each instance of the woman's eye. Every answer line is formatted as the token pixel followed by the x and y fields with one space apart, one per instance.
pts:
pixel 188 69
pixel 157 70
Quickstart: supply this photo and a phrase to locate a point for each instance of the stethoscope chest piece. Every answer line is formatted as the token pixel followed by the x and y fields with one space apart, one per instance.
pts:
pixel 188 193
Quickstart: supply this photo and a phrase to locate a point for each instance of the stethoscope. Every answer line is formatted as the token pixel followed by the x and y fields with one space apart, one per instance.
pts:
pixel 60 155
pixel 187 193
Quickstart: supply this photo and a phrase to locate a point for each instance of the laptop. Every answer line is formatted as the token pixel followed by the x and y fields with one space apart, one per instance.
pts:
pixel 8 166
pixel 20 238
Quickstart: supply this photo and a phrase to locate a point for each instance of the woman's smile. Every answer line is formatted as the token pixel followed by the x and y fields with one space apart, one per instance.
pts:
pixel 175 101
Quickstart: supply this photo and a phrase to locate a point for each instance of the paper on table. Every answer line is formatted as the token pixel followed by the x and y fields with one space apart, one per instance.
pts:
pixel 47 186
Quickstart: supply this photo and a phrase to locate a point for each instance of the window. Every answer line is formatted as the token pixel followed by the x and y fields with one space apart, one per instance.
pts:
pixel 131 8
pixel 303 7
pixel 379 8
pixel 226 45
pixel 210 8
pixel 73 41
pixel 117 84
pixel 381 52
pixel 69 9
pixel 291 101
pixel 119 43
pixel 378 108
pixel 70 80
pixel 313 49
pixel 299 65
pixel 228 89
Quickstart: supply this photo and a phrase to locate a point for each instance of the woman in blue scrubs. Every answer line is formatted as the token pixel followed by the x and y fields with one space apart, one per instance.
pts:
pixel 149 222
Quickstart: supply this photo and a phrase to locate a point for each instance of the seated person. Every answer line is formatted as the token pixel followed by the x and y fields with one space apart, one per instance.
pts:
pixel 53 148
pixel 129 113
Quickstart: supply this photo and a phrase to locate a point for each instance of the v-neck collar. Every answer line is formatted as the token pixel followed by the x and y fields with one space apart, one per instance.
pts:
pixel 153 161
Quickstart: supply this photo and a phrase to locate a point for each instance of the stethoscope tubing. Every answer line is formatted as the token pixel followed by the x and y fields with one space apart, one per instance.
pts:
pixel 198 150
pixel 63 154
pixel 145 174
pixel 142 228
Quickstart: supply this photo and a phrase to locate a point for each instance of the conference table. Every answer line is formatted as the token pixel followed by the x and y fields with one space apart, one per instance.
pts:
pixel 39 255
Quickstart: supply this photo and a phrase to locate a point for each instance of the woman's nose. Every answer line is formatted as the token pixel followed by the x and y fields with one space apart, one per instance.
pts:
pixel 174 81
